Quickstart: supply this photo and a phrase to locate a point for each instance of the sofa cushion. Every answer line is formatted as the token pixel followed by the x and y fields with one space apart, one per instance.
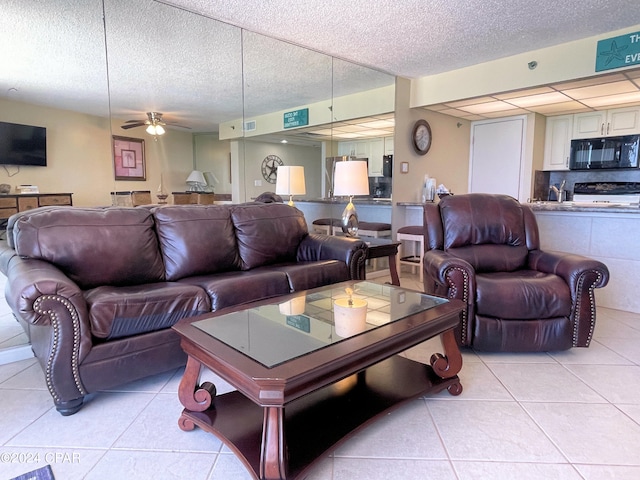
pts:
pixel 268 233
pixel 234 288
pixel 196 240
pixel 93 246
pixel 116 312
pixel 525 294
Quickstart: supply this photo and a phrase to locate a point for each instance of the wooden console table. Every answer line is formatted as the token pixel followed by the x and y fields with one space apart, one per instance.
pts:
pixel 10 204
pixel 199 198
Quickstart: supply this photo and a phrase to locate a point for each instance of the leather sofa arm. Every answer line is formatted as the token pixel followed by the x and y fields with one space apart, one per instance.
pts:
pixel 451 277
pixel 583 275
pixel 46 298
pixel 28 280
pixel 351 251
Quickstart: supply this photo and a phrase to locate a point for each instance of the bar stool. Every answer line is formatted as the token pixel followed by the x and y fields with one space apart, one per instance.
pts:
pixel 374 229
pixel 326 226
pixel 415 234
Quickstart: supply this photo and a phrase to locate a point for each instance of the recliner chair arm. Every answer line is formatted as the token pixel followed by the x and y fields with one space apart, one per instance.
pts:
pixel 571 267
pixel 448 271
pixel 452 277
pixel 582 275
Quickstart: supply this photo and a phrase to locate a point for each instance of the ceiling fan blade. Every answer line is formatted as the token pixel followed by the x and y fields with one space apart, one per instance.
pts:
pixel 133 121
pixel 132 125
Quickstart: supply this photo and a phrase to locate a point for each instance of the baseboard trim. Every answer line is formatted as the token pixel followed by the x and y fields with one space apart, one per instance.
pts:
pixel 15 354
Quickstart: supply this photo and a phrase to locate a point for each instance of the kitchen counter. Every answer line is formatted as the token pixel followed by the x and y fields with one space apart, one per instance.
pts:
pixel 369 209
pixel 608 234
pixel 577 207
pixel 345 200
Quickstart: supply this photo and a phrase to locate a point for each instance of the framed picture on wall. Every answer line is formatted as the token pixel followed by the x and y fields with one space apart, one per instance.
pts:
pixel 128 158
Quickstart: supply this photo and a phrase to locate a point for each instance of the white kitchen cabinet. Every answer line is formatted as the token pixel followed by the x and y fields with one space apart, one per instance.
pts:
pixel 606 123
pixel 358 149
pixel 623 121
pixel 372 149
pixel 362 148
pixel 376 152
pixel 557 142
pixel 388 145
pixel 346 148
pixel 589 125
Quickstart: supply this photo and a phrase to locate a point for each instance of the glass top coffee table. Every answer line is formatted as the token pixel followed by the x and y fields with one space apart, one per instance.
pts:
pixel 311 368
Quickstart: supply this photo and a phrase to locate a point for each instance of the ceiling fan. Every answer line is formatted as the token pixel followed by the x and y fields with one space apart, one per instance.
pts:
pixel 154 122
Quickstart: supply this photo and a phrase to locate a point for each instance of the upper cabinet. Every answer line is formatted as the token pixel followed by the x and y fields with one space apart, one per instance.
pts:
pixel 562 129
pixel 557 143
pixel 388 145
pixel 376 152
pixel 618 121
pixel 373 150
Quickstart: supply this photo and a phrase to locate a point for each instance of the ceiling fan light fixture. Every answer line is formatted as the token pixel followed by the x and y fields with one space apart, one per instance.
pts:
pixel 151 130
pixel 159 130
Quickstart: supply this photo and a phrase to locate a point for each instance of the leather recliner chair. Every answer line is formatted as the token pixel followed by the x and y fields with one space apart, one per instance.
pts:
pixel 485 250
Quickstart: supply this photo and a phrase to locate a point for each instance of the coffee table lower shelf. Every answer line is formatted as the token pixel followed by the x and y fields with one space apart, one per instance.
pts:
pixel 321 420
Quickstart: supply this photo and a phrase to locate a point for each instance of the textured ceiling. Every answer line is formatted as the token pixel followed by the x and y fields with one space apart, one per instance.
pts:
pixel 197 70
pixel 414 38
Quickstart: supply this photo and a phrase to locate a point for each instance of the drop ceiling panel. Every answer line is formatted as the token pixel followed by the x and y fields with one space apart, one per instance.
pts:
pixel 560 108
pixel 520 93
pixel 537 100
pixel 606 89
pixel 617 100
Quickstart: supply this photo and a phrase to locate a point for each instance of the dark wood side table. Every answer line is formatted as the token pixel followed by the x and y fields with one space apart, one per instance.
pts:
pixel 384 247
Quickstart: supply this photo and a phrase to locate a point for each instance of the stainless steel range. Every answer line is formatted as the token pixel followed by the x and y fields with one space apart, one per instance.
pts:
pixel 607 193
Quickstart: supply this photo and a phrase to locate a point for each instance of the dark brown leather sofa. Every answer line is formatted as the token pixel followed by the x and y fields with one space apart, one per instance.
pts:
pixel 97 289
pixel 485 250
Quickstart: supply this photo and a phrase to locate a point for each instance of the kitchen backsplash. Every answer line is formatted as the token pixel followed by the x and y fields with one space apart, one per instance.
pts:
pixel 544 179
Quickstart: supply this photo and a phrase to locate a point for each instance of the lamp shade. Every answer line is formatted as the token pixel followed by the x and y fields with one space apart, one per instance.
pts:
pixel 290 180
pixel 351 178
pixel 196 179
pixel 211 179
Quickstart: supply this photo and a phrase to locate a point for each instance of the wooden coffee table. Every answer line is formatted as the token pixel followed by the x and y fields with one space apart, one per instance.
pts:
pixel 301 388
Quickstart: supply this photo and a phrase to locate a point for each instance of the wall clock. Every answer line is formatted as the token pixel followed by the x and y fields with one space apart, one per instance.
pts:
pixel 270 166
pixel 421 137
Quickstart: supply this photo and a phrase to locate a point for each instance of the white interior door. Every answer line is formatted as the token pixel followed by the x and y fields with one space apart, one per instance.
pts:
pixel 497 148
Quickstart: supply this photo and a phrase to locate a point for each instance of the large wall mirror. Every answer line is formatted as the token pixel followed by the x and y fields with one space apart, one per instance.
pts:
pixel 85 68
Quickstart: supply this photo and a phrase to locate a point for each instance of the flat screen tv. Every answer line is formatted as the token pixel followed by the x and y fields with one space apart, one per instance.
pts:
pixel 23 144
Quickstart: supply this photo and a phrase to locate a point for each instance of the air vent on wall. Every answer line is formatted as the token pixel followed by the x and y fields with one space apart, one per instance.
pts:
pixel 249 126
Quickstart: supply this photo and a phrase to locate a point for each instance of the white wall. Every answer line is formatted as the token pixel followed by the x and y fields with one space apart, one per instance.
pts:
pixel 212 155
pixel 308 157
pixel 79 155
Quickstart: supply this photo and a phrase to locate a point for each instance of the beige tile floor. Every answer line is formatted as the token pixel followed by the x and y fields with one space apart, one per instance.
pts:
pixel 563 415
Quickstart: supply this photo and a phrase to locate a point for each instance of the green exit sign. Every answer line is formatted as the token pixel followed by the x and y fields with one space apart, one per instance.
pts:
pixel 297 118
pixel 618 52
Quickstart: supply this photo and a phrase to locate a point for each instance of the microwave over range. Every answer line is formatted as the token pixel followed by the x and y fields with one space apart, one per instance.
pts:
pixel 602 153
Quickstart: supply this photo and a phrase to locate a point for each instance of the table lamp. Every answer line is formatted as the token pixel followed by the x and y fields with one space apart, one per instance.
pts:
pixel 290 181
pixel 211 181
pixel 196 181
pixel 351 178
